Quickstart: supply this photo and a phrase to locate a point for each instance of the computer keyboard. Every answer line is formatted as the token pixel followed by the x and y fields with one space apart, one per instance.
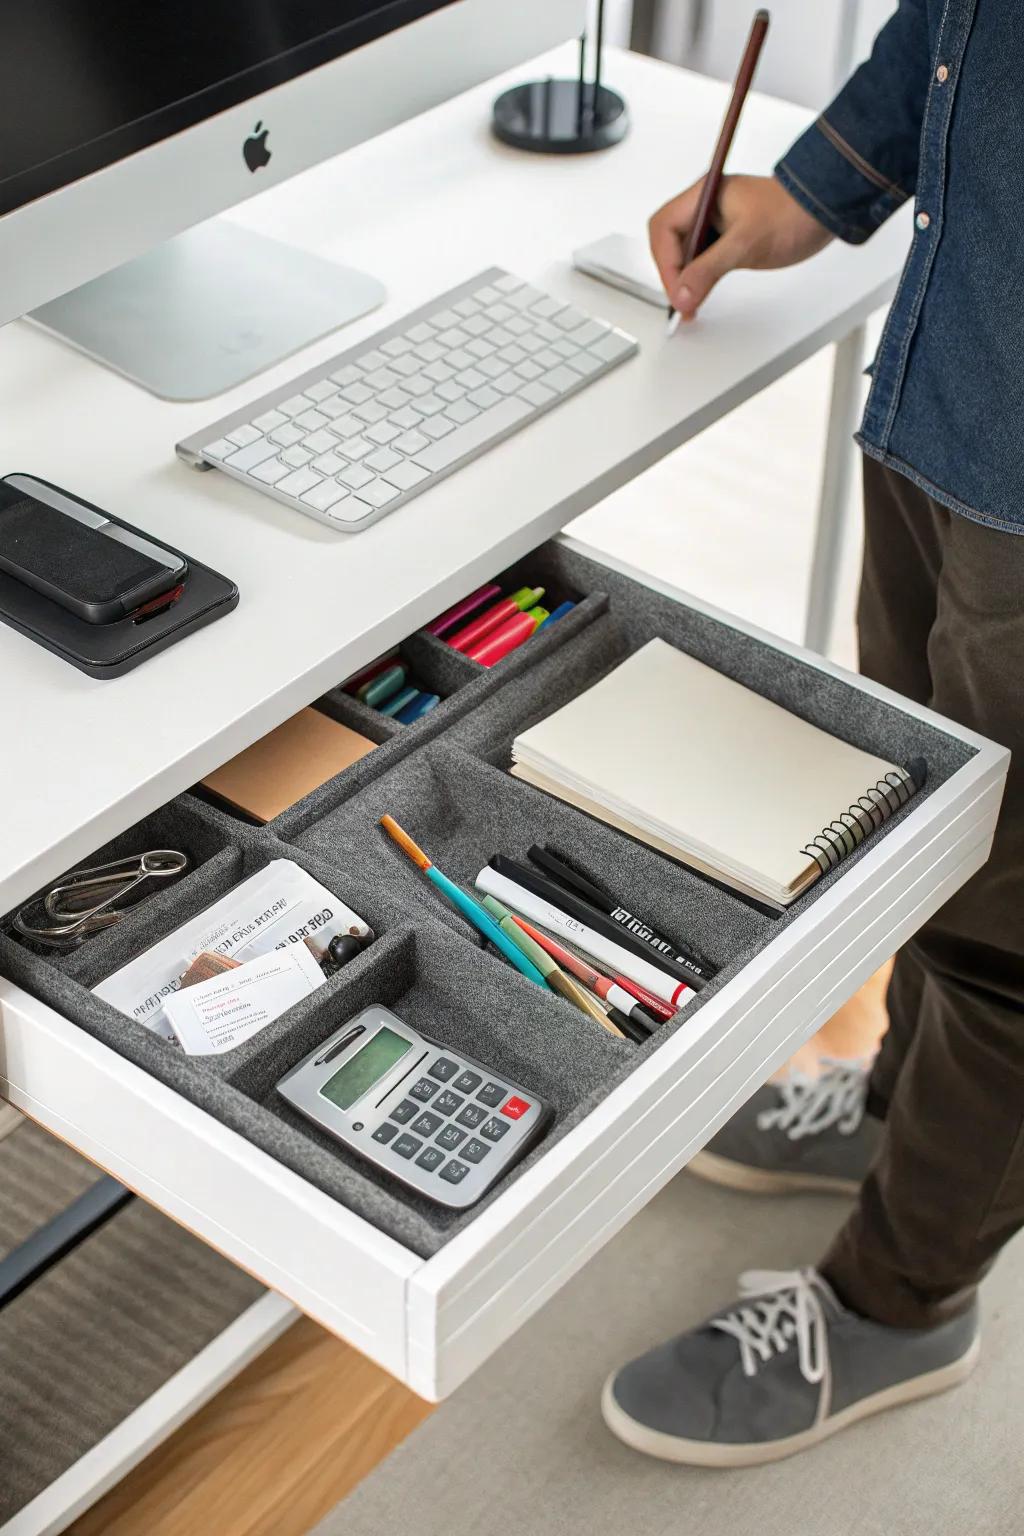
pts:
pixel 363 434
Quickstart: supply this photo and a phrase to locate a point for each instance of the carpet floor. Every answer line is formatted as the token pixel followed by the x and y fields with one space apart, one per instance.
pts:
pixel 521 1447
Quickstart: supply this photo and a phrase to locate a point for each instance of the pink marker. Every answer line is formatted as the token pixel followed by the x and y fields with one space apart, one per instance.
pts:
pixel 470 604
pixel 512 634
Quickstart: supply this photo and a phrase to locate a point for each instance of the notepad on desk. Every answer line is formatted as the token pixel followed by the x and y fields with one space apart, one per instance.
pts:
pixel 287 764
pixel 710 773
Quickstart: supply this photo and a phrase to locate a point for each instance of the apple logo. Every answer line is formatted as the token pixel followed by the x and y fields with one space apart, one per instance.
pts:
pixel 254 150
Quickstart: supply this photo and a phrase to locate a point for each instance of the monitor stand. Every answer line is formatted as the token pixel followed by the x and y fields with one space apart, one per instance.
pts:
pixel 208 310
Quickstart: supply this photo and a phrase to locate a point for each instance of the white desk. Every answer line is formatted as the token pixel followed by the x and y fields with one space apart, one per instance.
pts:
pixel 423 207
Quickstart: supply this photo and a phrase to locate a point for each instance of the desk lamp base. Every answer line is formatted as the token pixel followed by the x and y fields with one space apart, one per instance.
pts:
pixel 560 117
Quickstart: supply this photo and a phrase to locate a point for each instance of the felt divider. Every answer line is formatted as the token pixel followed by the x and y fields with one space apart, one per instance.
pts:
pixel 479 685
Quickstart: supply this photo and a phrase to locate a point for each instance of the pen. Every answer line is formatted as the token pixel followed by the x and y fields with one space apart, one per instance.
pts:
pixel 588 890
pixel 546 964
pixel 616 997
pixel 701 226
pixel 471 910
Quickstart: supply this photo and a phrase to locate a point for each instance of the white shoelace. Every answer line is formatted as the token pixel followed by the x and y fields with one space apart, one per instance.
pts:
pixel 782 1306
pixel 811 1105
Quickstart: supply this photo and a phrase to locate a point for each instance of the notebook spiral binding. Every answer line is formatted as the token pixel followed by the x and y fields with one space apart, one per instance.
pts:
pixel 874 807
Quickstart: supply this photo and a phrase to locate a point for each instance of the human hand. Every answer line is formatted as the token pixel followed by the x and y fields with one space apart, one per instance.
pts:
pixel 759 226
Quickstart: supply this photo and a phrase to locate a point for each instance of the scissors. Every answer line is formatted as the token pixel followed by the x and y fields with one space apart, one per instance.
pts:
pixel 94 898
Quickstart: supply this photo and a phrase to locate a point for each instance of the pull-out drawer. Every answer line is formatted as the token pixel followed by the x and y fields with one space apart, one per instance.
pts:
pixel 430 1295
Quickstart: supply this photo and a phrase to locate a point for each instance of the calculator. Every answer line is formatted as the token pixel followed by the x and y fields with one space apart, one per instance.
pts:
pixel 433 1118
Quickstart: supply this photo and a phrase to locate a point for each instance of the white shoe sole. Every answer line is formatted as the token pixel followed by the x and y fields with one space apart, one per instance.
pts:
pixel 765 1181
pixel 700 1453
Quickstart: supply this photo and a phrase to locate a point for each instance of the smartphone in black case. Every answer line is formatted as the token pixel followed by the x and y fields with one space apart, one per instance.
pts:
pixel 73 554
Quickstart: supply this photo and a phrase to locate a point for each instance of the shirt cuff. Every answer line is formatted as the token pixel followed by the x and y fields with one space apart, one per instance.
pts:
pixel 836 185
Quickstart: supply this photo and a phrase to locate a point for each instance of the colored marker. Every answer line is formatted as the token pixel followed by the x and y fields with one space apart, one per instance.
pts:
pixel 420 706
pixel 614 995
pixel 355 682
pixel 400 701
pixel 556 614
pixel 508 608
pixel 556 979
pixel 509 637
pixel 382 687
pixel 471 909
pixel 470 604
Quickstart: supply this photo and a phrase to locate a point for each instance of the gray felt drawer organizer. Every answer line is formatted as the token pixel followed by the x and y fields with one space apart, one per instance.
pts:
pixel 445 780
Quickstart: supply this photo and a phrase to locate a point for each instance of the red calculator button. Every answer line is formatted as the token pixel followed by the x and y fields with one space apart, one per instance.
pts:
pixel 515 1108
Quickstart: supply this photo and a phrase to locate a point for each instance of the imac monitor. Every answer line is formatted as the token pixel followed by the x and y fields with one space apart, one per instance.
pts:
pixel 124 124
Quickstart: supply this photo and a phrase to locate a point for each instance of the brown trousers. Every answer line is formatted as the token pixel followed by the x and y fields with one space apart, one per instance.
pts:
pixel 941 620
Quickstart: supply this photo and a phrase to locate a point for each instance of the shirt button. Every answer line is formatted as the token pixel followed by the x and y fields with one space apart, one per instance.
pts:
pixel 922 221
pixel 942 74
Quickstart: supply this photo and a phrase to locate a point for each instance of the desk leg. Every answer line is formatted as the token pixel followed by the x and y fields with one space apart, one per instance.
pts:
pixel 833 505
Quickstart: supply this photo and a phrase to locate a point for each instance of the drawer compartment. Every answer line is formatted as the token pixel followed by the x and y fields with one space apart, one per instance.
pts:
pixel 431 1293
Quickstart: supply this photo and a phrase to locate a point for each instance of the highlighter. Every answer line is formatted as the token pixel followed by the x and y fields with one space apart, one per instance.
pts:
pixel 380 688
pixel 452 616
pixel 420 706
pixel 556 614
pixel 508 637
pixel 508 608
pixel 400 701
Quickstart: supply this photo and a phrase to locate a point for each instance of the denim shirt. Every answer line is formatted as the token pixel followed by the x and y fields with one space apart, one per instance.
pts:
pixel 937 114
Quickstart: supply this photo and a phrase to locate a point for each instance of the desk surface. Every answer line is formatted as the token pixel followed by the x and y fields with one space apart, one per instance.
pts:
pixel 423 207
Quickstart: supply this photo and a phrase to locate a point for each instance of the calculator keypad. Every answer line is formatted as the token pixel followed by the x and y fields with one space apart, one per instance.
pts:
pixel 406 1145
pixel 404 1112
pixel 454 1172
pixel 475 1151
pixel 385 1132
pixel 424 1090
pixel 472 1116
pixel 467 1081
pixel 450 1137
pixel 430 1158
pixel 494 1130
pixel 444 1068
pixel 447 1103
pixel 492 1094
pixel 427 1124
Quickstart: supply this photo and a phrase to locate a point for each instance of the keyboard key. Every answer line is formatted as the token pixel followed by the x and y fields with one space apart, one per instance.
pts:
pixel 461 411
pixel 269 420
pixel 293 406
pixel 444 1069
pixel 474 1151
pixel 406 366
pixel 350 511
pixel 244 435
pixel 378 493
pixel 564 348
pixel 438 373
pixel 381 460
pixel 611 346
pixel 450 391
pixel 406 1146
pixel 256 453
pixel 411 442
pixel 430 352
pixel 512 355
pixel 355 476
pixel 371 360
pixel 346 375
pixel 507 284
pixel 583 363
pixel 485 397
pixel 529 371
pixel 427 1124
pixel 381 378
pixel 500 336
pixel 507 384
pixel 546 308
pixel 320 442
pixel 501 418
pixel 406 475
pixel 320 390
pixel 430 1158
pixel 454 1172
pixel 385 1132
pixel 479 348
pixel 356 447
pixel 546 359
pixel 593 330
pixel 467 1081
pixel 467 307
pixel 460 359
pixel 404 1112
pixel 472 1116
pixel 438 426
pixel 516 1107
pixel 325 495
pixel 492 295
pixel 396 346
pixel 430 405
pixel 357 393
pixel 560 379
pixel 525 297
pixel 444 319
pixel 270 471
pixel 494 1130
pixel 394 399
pixel 493 1094
pixel 420 333
pixel 532 343
pixel 447 1103
pixel 537 394
pixel 492 367
pixel 417 385
pixel 471 378
pixel 298 482
pixel 547 332
pixel 334 406
pixel 406 418
pixel 450 1137
pixel 221 449
pixel 287 435
pixel 372 412
pixel 296 456
pixel 347 426
pixel 518 326
pixel 499 313
pixel 455 337
pixel 328 464
pixel 382 433
pixel 475 325
pixel 424 1090
pixel 310 420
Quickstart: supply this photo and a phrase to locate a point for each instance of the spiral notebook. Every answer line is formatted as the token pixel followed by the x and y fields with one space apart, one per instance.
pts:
pixel 710 773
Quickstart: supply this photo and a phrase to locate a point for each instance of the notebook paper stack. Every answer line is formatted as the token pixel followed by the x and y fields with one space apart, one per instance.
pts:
pixel 710 773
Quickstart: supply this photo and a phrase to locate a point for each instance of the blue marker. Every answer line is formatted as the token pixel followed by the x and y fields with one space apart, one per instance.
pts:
pixel 418 708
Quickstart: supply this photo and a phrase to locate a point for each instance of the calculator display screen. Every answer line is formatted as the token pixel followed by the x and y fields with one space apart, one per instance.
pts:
pixel 365 1068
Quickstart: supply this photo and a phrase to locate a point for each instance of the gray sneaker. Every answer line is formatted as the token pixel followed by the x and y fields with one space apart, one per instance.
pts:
pixel 779 1372
pixel 804 1133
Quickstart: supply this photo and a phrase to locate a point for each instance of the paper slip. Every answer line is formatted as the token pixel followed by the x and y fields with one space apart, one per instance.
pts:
pixel 218 1014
